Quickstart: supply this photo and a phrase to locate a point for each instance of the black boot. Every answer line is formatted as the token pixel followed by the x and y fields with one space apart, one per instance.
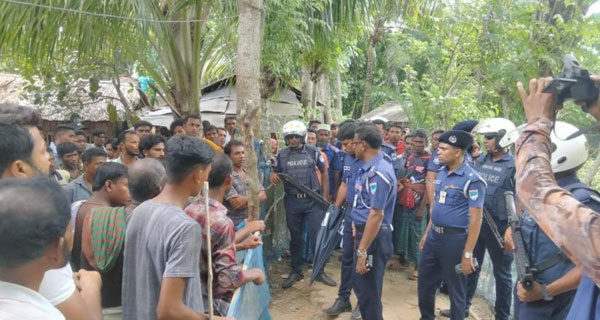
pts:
pixel 325 279
pixel 356 314
pixel 291 279
pixel 340 305
pixel 446 313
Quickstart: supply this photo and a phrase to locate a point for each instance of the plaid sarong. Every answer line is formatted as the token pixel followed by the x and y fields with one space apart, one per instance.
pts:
pixel 103 236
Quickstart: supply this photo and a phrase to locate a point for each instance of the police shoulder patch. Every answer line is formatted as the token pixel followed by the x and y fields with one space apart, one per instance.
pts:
pixel 373 187
pixel 474 194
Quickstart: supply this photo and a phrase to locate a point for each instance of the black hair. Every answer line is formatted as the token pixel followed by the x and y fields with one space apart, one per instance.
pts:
pixel 347 131
pixel 16 144
pixel 97 133
pixel 221 128
pixel 229 117
pixel 108 171
pixel 65 148
pixel 88 155
pixel 420 133
pixel 145 179
pixel 175 124
pixel 142 123
pixel 35 212
pixel 409 136
pixel 62 128
pixel 311 122
pixel 370 135
pixel 219 171
pixel 185 154
pixel 19 115
pixel 379 122
pixel 205 123
pixel 395 125
pixel 209 127
pixel 232 143
pixel 150 141
pixel 123 135
pixel 191 116
pixel 440 131
pixel 348 121
pixel 333 125
pixel 311 130
pixel 114 143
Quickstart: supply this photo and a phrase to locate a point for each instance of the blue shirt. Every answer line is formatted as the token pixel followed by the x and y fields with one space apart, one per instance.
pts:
pixel 375 188
pixel 334 164
pixel 349 173
pixel 455 194
pixel 435 165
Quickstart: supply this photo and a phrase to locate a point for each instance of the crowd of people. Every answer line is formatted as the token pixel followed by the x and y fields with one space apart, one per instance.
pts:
pixel 117 229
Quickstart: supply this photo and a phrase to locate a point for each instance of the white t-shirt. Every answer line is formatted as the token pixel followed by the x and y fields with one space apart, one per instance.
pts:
pixel 18 302
pixel 58 285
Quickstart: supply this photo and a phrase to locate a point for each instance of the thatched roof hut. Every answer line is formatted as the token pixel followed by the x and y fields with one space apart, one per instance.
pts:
pixel 81 104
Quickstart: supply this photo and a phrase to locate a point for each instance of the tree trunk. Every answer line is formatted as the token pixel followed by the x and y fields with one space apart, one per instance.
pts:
pixel 369 78
pixel 250 30
pixel 337 88
pixel 325 98
pixel 306 88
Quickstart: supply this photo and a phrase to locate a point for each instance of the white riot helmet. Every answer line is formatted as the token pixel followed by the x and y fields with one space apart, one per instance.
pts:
pixel 294 127
pixel 567 154
pixel 503 129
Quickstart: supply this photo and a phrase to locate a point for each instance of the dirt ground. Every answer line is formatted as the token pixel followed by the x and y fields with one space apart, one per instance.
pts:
pixel 306 303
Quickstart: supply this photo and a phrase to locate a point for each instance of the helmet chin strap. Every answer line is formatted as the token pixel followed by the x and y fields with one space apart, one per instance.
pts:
pixel 584 130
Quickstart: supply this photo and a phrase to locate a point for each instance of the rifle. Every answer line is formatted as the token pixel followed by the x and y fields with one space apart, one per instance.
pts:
pixel 494 227
pixel 309 192
pixel 524 270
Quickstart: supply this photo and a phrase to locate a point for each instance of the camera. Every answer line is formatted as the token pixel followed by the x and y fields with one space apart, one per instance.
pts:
pixel 573 83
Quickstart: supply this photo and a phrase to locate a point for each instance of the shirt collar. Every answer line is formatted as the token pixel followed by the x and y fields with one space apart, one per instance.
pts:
pixel 565 181
pixel 461 170
pixel 17 292
pixel 373 161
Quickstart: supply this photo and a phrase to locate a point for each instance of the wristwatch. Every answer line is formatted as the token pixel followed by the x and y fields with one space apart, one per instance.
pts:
pixel 468 255
pixel 545 295
pixel 360 253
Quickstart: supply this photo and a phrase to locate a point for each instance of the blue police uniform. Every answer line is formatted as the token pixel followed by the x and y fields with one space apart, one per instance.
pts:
pixel 435 165
pixel 375 188
pixel 349 173
pixel 301 164
pixel 553 264
pixel 389 153
pixel 334 165
pixel 455 194
pixel 499 176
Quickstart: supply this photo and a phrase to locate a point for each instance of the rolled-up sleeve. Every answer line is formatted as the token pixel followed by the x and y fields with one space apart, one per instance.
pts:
pixel 571 225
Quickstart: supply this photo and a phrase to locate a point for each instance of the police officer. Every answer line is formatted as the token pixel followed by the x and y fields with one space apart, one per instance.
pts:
pixel 345 197
pixel 373 207
pixel 448 243
pixel 557 277
pixel 301 162
pixel 498 170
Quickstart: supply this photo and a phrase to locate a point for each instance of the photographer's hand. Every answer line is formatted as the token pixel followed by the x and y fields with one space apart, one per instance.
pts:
pixel 536 104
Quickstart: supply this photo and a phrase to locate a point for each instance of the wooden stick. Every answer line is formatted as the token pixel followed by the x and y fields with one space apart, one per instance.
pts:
pixel 209 254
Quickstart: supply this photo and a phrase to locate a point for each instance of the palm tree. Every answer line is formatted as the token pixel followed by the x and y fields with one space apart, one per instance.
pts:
pixel 174 41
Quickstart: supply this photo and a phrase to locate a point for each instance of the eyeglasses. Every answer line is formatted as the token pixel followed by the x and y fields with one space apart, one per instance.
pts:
pixel 489 137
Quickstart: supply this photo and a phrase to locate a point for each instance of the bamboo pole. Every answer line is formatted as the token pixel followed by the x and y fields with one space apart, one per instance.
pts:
pixel 209 254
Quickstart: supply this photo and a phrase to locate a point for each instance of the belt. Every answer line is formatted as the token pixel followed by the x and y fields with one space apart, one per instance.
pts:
pixel 448 230
pixel 299 195
pixel 361 228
